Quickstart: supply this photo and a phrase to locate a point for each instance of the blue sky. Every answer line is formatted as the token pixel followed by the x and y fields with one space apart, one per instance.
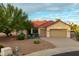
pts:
pixel 51 11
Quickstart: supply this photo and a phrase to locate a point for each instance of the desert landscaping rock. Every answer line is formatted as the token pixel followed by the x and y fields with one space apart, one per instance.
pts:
pixel 26 46
pixel 7 51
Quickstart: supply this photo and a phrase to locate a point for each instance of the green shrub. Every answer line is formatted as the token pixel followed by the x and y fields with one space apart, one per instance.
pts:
pixel 1 46
pixel 36 41
pixel 77 35
pixel 21 36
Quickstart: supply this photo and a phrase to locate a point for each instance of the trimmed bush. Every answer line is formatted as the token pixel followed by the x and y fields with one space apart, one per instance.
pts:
pixel 77 35
pixel 1 46
pixel 36 41
pixel 21 36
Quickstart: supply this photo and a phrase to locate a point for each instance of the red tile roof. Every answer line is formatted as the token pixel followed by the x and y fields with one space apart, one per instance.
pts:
pixel 45 23
pixel 38 23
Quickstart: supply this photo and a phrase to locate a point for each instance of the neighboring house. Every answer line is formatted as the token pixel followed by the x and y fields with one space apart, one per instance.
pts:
pixel 55 29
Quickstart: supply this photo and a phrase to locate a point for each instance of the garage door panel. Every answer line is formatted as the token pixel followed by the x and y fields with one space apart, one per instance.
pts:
pixel 58 33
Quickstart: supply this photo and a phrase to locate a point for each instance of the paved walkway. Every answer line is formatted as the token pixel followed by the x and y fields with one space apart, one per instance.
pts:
pixel 62 46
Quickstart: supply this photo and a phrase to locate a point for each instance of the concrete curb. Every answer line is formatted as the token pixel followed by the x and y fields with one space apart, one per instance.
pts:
pixel 50 52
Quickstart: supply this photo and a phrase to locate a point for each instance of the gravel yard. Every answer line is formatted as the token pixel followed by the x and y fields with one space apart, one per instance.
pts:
pixel 26 46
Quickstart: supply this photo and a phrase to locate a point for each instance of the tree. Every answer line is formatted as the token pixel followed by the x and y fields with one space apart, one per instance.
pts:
pixel 73 26
pixel 13 18
pixel 58 19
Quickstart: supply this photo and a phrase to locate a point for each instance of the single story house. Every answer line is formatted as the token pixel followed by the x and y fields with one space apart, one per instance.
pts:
pixel 55 29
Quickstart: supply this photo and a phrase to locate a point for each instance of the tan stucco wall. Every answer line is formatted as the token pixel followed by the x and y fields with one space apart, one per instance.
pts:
pixel 58 25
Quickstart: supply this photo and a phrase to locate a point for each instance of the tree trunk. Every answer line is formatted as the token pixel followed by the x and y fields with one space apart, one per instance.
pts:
pixel 7 34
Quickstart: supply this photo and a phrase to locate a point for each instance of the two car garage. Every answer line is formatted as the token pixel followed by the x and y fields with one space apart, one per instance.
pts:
pixel 60 33
pixel 58 29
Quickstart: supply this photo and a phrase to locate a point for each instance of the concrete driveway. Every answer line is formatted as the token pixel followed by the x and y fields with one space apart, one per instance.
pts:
pixel 62 45
pixel 62 42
